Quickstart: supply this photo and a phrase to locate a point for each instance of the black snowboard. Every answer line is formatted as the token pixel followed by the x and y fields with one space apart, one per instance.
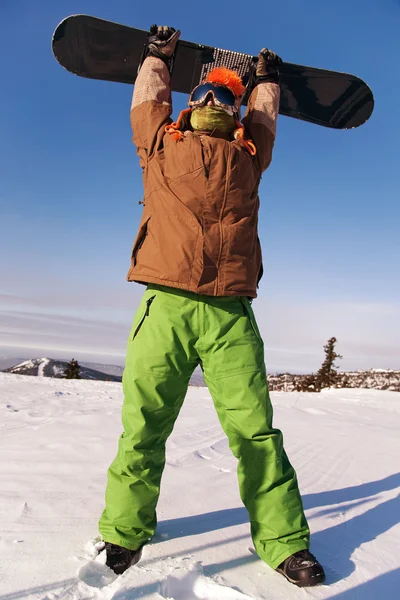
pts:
pixel 98 49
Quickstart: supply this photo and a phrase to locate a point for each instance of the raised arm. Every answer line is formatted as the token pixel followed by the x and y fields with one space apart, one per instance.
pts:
pixel 151 102
pixel 263 106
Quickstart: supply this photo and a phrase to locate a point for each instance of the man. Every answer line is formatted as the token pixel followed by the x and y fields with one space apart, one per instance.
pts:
pixel 198 252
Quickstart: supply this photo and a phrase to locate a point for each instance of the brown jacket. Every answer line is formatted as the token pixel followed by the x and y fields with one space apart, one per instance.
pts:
pixel 198 230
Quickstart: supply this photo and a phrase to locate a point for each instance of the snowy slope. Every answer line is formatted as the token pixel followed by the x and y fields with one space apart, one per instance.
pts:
pixel 57 438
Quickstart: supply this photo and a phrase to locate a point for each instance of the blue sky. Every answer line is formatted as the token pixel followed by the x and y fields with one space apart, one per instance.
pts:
pixel 70 186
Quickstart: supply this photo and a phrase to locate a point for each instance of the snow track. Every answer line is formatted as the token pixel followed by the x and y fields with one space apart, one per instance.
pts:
pixel 57 438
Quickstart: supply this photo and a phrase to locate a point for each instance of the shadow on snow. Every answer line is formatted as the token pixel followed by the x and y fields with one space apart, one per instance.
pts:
pixel 335 544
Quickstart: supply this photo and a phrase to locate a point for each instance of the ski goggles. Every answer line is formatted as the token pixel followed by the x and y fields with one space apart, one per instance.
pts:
pixel 223 97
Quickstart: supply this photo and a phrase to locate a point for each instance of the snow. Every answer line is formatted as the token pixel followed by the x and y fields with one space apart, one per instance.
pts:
pixel 29 364
pixel 57 438
pixel 42 364
pixel 58 371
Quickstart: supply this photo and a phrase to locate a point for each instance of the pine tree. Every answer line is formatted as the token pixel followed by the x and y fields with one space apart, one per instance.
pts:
pixel 327 376
pixel 72 370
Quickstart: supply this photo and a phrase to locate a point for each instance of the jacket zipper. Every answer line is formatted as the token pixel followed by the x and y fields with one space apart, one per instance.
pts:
pixel 221 216
pixel 137 248
pixel 140 241
pixel 146 314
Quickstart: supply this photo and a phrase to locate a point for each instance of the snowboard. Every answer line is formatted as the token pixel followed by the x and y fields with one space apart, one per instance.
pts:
pixel 98 49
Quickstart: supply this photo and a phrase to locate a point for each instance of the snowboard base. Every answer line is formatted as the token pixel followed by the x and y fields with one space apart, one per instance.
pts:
pixel 97 49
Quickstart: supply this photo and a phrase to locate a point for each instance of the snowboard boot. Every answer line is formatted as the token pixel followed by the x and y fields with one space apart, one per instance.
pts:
pixel 119 559
pixel 302 569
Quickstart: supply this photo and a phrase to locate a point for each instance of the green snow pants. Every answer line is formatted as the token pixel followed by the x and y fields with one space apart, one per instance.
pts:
pixel 173 332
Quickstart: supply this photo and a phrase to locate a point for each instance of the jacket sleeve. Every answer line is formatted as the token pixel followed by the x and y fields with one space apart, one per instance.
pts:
pixel 151 107
pixel 260 120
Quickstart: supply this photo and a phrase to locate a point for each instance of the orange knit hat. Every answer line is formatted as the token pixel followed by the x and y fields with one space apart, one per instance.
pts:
pixel 227 78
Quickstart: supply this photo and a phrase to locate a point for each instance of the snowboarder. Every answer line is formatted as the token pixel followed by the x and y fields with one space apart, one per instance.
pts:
pixel 198 253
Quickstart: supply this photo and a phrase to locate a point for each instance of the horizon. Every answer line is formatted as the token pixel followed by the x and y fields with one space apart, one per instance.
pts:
pixel 71 182
pixel 83 361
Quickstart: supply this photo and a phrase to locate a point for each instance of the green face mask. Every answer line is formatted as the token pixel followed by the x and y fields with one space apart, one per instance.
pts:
pixel 208 118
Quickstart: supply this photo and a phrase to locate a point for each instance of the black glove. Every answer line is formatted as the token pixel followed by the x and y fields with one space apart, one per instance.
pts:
pixel 268 66
pixel 161 43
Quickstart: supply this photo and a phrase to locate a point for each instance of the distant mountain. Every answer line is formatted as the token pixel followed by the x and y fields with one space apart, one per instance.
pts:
pixel 109 369
pixel 47 367
pixel 197 379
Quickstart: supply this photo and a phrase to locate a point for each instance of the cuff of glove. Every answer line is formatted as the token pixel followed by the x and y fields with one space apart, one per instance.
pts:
pixel 154 51
pixel 268 78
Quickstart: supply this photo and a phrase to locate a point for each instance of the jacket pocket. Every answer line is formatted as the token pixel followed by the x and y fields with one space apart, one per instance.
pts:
pixel 140 238
pixel 149 302
pixel 248 311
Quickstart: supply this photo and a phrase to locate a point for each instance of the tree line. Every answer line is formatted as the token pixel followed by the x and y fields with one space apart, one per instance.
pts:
pixel 326 377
